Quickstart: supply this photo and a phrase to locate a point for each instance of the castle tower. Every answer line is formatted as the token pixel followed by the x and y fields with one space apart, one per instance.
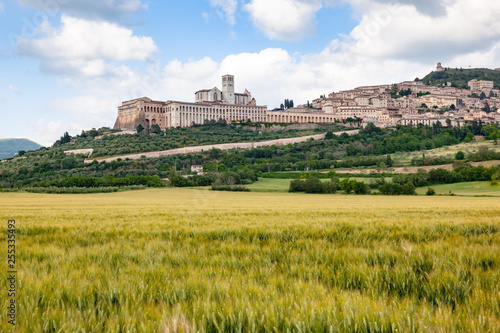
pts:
pixel 228 89
pixel 439 67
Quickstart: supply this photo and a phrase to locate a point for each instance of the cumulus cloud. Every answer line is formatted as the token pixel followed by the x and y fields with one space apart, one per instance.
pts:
pixel 91 9
pixel 83 46
pixel 428 7
pixel 228 8
pixel 403 32
pixel 284 19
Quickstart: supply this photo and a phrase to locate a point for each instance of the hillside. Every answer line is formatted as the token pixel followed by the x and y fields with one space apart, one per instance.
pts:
pixel 368 149
pixel 459 77
pixel 9 147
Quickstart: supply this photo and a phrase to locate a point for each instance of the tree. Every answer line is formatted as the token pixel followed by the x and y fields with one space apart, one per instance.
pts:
pixel 388 161
pixel 296 185
pixel 291 103
pixel 486 106
pixel 453 107
pixel 361 188
pixel 222 122
pixel 430 191
pixel 155 129
pixel 459 155
pixel 93 133
pixel 140 128
pixel 329 135
pixel 313 185
pixel 482 96
pixel 65 138
pixel 371 128
pixel 346 185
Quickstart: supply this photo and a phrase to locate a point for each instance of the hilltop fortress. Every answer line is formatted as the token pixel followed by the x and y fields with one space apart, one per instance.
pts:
pixel 406 103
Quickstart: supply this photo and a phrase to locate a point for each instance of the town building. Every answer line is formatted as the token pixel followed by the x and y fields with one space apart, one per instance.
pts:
pixel 475 85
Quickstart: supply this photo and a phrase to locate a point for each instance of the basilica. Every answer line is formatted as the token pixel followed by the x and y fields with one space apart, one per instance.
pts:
pixel 210 104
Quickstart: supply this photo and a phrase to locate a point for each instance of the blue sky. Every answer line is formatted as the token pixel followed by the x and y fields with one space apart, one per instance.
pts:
pixel 65 65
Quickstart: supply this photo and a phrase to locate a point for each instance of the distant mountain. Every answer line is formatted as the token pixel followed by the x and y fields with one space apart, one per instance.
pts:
pixel 9 147
pixel 459 77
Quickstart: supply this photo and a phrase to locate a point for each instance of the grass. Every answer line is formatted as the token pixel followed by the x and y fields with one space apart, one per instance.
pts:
pixel 270 185
pixel 466 189
pixel 405 158
pixel 168 260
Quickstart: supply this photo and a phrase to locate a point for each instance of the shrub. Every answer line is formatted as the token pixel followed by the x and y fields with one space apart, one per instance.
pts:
pixel 430 191
pixel 231 188
pixel 332 186
pixel 313 185
pixel 397 189
pixel 460 156
pixel 297 185
pixel 346 185
pixel 361 188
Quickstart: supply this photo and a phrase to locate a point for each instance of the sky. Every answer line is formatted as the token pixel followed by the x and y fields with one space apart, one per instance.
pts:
pixel 66 65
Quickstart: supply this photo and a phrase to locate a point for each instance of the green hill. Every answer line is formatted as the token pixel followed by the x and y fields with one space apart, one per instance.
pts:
pixel 9 147
pixel 459 77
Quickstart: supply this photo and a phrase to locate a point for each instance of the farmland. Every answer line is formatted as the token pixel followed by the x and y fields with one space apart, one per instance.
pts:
pixel 196 260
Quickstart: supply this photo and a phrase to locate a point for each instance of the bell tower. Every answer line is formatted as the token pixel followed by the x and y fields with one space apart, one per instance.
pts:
pixel 228 89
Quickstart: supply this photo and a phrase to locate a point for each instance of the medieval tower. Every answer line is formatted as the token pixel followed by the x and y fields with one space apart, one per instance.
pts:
pixel 228 89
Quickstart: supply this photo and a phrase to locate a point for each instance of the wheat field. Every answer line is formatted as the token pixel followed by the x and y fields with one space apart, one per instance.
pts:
pixel 187 260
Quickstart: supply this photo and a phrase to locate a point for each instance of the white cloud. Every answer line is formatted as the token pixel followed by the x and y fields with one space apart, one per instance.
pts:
pixel 402 32
pixel 2 7
pixel 92 9
pixel 82 47
pixel 47 132
pixel 428 7
pixel 284 19
pixel 13 89
pixel 84 39
pixel 228 8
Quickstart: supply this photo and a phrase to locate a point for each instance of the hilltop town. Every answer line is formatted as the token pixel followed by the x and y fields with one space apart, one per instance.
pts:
pixel 405 103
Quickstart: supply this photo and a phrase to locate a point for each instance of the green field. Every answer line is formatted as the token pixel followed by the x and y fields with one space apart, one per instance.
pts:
pixel 447 151
pixel 466 189
pixel 172 260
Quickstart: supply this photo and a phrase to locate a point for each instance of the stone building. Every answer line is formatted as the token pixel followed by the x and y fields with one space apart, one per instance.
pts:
pixel 475 85
pixel 211 105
